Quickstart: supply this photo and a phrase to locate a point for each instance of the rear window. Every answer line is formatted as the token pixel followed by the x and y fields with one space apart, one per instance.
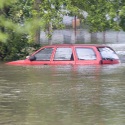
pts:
pixel 85 54
pixel 107 53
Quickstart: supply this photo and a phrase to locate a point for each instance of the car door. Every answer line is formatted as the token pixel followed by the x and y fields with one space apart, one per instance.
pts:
pixel 43 56
pixel 63 56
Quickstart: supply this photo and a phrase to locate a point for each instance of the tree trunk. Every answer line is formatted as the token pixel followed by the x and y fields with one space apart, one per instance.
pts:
pixel 37 34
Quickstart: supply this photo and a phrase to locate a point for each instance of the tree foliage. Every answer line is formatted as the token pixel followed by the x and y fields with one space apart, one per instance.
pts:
pixel 102 14
pixel 25 17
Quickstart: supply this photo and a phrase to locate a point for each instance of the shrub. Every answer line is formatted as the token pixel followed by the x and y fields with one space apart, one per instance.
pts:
pixel 17 47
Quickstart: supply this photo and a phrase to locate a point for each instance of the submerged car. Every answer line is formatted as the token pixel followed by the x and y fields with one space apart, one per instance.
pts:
pixel 71 54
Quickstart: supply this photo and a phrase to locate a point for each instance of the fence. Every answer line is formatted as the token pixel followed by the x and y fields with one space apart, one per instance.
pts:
pixel 83 36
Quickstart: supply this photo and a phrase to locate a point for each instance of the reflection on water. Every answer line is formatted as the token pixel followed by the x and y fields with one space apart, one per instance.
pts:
pixel 62 95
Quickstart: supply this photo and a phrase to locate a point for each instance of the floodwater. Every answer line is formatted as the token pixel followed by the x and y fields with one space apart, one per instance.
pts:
pixel 62 95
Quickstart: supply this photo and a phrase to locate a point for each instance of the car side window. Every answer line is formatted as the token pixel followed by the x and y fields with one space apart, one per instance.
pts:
pixel 85 54
pixel 63 54
pixel 44 54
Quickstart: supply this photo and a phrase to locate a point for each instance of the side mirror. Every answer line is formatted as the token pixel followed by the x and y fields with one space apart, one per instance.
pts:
pixel 32 58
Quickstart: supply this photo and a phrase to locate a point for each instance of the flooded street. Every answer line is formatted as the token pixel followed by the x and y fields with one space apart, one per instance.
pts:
pixel 62 95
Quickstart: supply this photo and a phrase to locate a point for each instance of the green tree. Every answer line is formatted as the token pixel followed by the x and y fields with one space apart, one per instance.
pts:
pixel 121 13
pixel 30 16
pixel 102 14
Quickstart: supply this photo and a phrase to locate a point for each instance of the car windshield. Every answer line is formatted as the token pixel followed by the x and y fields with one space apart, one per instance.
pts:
pixel 107 53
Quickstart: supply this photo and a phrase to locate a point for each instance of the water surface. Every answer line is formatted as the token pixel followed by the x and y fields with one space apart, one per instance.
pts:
pixel 62 95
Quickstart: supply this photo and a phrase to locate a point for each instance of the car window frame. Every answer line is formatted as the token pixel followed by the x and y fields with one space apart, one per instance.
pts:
pixel 94 54
pixel 43 49
pixel 71 57
pixel 108 55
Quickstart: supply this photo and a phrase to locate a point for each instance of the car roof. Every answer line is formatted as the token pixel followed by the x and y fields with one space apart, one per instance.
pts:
pixel 77 45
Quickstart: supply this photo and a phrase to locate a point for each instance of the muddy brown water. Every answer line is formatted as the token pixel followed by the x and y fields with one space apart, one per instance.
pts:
pixel 63 95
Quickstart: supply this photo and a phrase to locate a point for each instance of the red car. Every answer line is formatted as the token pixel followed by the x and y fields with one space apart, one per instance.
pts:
pixel 74 54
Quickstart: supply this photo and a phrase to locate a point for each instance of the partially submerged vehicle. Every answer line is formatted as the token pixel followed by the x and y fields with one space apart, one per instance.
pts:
pixel 71 54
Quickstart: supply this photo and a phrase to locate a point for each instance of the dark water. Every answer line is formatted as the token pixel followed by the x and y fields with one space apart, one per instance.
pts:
pixel 62 95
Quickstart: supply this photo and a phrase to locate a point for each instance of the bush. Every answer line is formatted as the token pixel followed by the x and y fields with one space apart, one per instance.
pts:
pixel 3 50
pixel 17 47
